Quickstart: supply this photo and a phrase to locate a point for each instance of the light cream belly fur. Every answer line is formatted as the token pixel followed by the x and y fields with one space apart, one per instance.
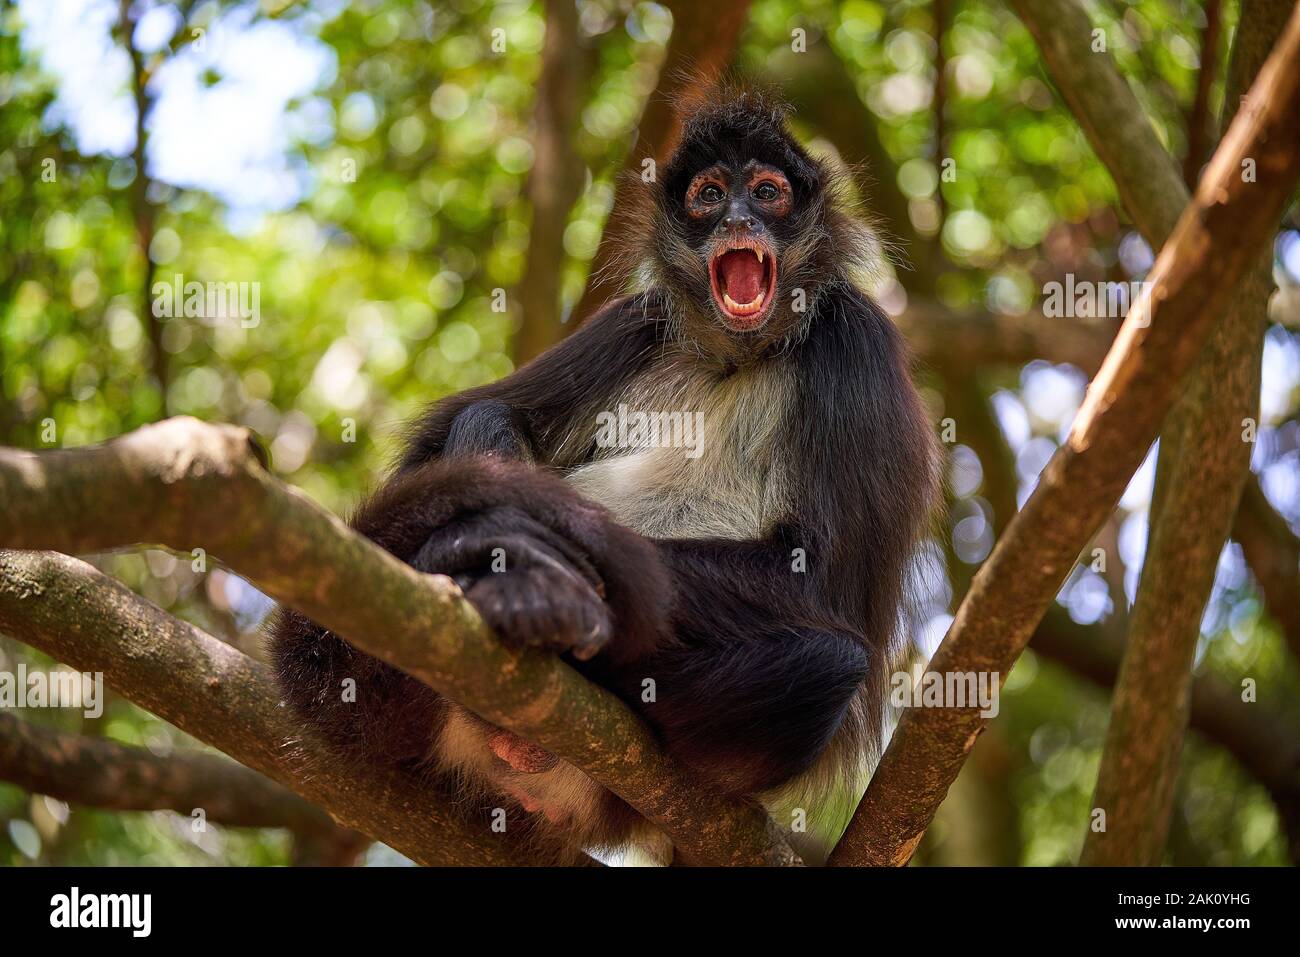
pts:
pixel 731 482
pixel 736 487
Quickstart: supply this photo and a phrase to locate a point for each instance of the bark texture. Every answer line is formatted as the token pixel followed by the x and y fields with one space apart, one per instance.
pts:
pixel 96 772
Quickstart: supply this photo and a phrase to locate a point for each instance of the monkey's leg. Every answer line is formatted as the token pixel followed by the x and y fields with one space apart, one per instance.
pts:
pixel 749 713
pixel 359 704
pixel 569 578
pixel 762 673
pixel 547 593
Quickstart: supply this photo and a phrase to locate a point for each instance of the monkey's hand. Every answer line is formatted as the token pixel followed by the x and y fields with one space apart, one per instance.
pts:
pixel 532 585
pixel 544 566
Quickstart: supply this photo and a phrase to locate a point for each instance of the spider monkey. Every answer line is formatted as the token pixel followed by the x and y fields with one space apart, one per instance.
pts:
pixel 754 581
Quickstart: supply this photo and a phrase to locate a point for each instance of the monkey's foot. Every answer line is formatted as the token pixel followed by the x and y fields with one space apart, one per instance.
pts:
pixel 543 604
pixel 531 584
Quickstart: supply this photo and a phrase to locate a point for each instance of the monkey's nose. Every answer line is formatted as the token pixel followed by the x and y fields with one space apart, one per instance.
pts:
pixel 739 221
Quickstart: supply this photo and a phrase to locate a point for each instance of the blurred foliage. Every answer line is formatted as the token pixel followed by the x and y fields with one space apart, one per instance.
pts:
pixel 375 298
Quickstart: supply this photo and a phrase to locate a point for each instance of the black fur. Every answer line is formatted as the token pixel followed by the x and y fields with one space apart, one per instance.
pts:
pixel 754 662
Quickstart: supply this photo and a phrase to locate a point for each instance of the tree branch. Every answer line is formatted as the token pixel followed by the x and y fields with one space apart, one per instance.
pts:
pixel 942 17
pixel 981 340
pixel 1199 134
pixel 975 339
pixel 185 483
pixel 94 623
pixel 1264 742
pixel 1193 278
pixel 1203 466
pixel 1273 554
pixel 1261 741
pixel 1272 550
pixel 96 772
pixel 143 211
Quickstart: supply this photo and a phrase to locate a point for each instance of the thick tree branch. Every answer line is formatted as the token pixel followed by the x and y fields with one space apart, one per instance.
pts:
pixel 1203 466
pixel 94 623
pixel 942 339
pixel 1193 278
pixel 96 772
pixel 1264 742
pixel 187 484
pixel 1153 194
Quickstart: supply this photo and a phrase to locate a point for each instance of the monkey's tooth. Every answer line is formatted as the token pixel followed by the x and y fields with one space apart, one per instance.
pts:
pixel 760 256
pixel 744 308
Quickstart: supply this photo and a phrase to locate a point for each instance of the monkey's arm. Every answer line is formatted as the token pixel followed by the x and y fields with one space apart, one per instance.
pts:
pixel 529 414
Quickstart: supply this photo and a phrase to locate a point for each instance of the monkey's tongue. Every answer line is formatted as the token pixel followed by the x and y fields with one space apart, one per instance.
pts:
pixel 522 756
pixel 742 275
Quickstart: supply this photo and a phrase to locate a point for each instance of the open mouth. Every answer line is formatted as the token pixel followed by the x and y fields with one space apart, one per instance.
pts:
pixel 743 277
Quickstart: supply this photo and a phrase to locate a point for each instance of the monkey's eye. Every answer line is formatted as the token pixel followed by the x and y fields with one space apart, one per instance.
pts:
pixel 711 194
pixel 766 192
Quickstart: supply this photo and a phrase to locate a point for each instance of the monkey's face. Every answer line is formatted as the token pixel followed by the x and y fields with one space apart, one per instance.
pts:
pixel 742 237
pixel 738 214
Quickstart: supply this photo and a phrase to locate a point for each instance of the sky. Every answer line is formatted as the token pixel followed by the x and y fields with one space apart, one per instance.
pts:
pixel 230 138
